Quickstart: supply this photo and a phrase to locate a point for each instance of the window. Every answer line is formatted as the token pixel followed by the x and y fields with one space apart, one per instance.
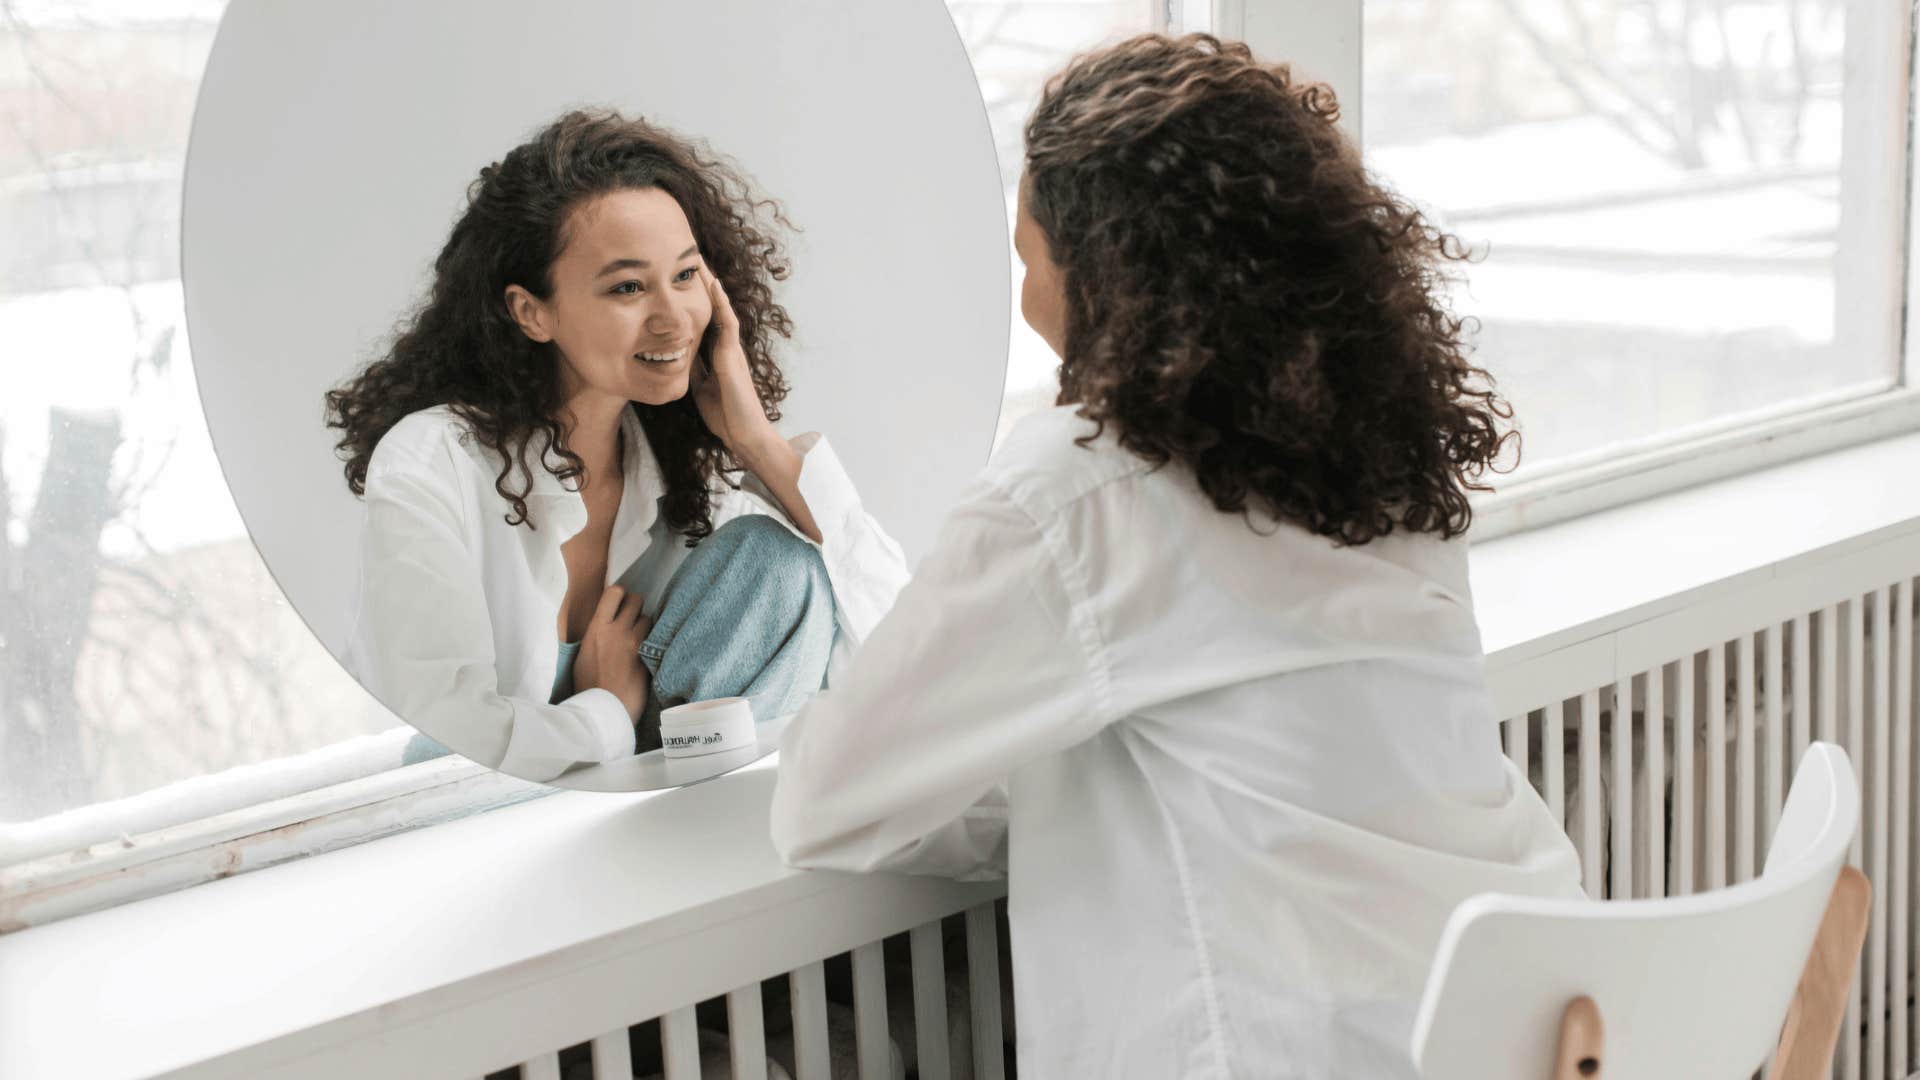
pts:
pixel 1689 218
pixel 144 642
pixel 1015 45
pixel 1690 215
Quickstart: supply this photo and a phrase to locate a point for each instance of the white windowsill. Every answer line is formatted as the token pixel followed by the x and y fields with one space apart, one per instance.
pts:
pixel 1538 590
pixel 365 953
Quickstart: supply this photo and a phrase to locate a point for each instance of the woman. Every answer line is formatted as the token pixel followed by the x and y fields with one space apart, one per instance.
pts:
pixel 552 432
pixel 1194 662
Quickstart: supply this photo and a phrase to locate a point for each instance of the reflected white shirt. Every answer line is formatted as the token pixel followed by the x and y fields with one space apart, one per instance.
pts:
pixel 1237 780
pixel 456 617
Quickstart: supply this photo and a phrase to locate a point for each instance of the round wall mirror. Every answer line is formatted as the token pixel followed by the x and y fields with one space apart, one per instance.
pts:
pixel 487 303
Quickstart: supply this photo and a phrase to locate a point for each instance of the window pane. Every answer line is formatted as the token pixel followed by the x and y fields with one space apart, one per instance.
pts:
pixel 1686 209
pixel 1015 45
pixel 141 639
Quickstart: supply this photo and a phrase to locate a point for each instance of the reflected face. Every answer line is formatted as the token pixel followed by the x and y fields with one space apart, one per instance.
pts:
pixel 628 308
pixel 1043 297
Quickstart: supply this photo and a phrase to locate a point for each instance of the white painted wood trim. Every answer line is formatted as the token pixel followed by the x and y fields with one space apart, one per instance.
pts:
pixel 814 1056
pixel 612 1055
pixel 1318 39
pixel 1620 803
pixel 928 957
pixel 203 797
pixel 1744 741
pixel 1901 912
pixel 1592 857
pixel 872 1045
pixel 983 978
pixel 680 1044
pixel 132 868
pixel 746 1035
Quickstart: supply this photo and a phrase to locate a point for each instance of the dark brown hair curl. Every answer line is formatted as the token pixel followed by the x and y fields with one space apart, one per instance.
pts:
pixel 1242 298
pixel 462 347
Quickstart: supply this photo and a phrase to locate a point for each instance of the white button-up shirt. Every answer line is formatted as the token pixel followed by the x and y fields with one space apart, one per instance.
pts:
pixel 456 619
pixel 1237 778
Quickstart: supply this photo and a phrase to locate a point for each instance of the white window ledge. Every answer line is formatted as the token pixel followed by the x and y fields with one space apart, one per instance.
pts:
pixel 1537 591
pixel 454 949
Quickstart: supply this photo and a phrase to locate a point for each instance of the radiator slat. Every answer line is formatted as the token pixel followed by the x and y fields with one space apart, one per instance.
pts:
pixel 813 1058
pixel 1716 817
pixel 1620 863
pixel 1744 832
pixel 680 1044
pixel 1683 785
pixel 983 978
pixel 1589 841
pixel 1899 911
pixel 1850 1059
pixel 1878 757
pixel 746 1035
pixel 1656 808
pixel 872 1046
pixel 1553 750
pixel 930 1002
pixel 544 1067
pixel 1773 736
pixel 1802 687
pixel 1827 725
pixel 612 1056
pixel 1513 740
pixel 1829 714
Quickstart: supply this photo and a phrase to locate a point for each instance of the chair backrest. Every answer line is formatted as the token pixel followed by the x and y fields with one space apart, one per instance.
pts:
pixel 1693 987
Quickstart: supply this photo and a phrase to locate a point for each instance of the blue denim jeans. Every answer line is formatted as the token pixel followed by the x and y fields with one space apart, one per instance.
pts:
pixel 748 614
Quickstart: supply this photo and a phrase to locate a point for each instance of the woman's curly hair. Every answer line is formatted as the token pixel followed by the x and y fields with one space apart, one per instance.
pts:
pixel 1242 298
pixel 462 348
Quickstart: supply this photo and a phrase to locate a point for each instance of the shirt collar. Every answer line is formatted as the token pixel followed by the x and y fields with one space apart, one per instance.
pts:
pixel 552 503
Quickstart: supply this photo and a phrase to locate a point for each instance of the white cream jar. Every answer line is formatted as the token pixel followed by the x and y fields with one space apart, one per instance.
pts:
pixel 706 727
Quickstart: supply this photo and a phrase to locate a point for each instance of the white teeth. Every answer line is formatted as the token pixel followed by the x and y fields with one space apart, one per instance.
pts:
pixel 661 358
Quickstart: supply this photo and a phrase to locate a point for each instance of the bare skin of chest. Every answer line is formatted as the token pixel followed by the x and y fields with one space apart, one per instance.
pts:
pixel 585 555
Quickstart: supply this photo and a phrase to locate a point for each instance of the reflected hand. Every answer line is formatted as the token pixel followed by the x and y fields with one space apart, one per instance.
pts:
pixel 723 387
pixel 609 656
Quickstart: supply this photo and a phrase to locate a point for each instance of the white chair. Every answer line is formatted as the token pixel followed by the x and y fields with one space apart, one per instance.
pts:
pixel 1697 987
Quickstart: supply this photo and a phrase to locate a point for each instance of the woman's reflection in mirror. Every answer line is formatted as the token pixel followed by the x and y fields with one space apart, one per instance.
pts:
pixel 579 510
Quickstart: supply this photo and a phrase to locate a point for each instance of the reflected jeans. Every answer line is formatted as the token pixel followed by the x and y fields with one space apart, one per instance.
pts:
pixel 748 614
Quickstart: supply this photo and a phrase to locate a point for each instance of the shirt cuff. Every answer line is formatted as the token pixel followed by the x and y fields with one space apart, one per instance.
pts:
pixel 824 483
pixel 865 565
pixel 600 730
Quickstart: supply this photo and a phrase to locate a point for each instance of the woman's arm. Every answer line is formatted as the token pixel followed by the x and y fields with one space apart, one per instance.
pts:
pixel 989 659
pixel 776 464
pixel 802 478
pixel 423 642
pixel 865 566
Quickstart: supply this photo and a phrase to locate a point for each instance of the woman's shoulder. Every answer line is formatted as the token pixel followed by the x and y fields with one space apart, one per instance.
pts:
pixel 1056 456
pixel 430 438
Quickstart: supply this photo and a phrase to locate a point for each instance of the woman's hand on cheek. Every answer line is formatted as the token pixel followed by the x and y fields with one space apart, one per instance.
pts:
pixel 728 401
pixel 609 657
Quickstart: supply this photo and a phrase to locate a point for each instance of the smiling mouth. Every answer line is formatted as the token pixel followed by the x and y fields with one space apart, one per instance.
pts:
pixel 662 357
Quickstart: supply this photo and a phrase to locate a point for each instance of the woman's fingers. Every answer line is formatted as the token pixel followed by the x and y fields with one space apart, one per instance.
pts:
pixel 723 318
pixel 609 606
